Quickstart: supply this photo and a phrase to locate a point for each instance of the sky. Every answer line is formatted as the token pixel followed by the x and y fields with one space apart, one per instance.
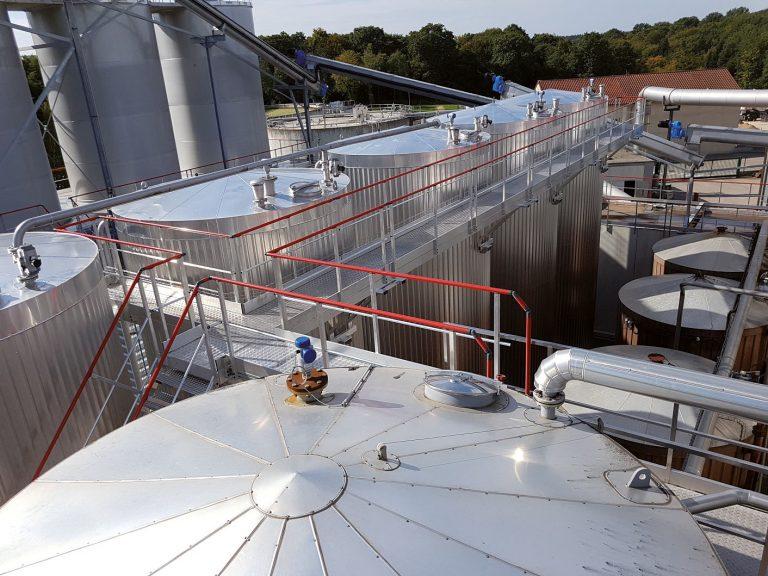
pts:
pixel 564 17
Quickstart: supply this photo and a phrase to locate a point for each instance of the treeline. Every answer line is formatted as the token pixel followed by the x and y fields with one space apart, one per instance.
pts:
pixel 737 40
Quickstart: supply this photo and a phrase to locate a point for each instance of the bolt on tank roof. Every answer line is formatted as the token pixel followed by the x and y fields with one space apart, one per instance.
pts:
pixel 240 479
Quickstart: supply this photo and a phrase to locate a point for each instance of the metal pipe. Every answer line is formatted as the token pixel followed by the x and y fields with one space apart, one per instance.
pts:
pixel 695 464
pixel 699 97
pixel 106 203
pixel 661 381
pixel 735 497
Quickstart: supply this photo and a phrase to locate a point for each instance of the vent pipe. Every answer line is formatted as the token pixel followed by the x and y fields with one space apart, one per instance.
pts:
pixel 701 97
pixel 661 381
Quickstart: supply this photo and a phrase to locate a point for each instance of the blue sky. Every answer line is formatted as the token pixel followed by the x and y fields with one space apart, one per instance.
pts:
pixel 555 16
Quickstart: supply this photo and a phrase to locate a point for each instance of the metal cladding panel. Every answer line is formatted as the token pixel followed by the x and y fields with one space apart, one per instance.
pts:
pixel 463 263
pixel 227 206
pixel 120 54
pixel 27 178
pixel 49 338
pixel 190 97
pixel 196 478
pixel 524 258
pixel 578 253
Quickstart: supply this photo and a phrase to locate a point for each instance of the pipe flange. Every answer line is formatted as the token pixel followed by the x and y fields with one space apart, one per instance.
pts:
pixel 548 404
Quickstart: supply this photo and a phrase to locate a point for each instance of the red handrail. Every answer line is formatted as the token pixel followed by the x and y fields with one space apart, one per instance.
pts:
pixel 440 281
pixel 278 292
pixel 148 224
pixel 102 346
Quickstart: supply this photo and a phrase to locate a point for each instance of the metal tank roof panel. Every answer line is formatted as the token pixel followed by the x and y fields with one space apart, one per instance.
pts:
pixel 189 489
pixel 71 269
pixel 657 298
pixel 708 251
pixel 227 197
pixel 499 112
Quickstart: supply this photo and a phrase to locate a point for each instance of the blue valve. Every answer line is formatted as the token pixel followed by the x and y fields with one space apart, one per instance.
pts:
pixel 305 349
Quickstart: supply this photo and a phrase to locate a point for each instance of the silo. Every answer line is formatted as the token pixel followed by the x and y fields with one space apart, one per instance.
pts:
pixel 228 205
pixel 27 178
pixel 286 135
pixel 234 127
pixel 240 482
pixel 120 55
pixel 715 253
pixel 648 308
pixel 49 333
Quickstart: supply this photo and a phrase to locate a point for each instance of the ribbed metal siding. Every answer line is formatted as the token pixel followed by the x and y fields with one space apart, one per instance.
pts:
pixel 578 252
pixel 462 262
pixel 43 367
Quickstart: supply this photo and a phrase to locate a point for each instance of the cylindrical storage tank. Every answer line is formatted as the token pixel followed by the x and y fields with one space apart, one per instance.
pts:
pixel 286 135
pixel 370 162
pixel 715 253
pixel 228 205
pixel 27 179
pixel 49 334
pixel 240 128
pixel 419 474
pixel 648 309
pixel 123 68
pixel 463 262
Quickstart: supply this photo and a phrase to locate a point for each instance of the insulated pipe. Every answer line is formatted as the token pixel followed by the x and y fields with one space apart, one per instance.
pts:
pixel 737 497
pixel 106 203
pixel 661 381
pixel 703 97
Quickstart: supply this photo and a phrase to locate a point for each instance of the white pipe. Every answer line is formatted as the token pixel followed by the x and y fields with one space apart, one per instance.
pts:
pixel 704 97
pixel 660 381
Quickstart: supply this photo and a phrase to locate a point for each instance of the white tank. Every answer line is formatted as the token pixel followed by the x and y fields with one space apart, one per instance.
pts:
pixel 227 206
pixel 26 179
pixel 121 58
pixel 237 85
pixel 49 333
pixel 241 482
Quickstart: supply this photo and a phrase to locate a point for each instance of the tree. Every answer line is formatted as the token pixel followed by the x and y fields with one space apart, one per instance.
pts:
pixel 433 54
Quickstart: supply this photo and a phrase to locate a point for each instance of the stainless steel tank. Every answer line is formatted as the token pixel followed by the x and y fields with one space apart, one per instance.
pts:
pixel 241 125
pixel 649 307
pixel 24 164
pixel 120 56
pixel 226 206
pixel 286 135
pixel 376 160
pixel 49 333
pixel 715 253
pixel 241 482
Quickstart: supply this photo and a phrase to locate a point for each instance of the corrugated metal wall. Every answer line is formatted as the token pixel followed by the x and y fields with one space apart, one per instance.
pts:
pixel 462 262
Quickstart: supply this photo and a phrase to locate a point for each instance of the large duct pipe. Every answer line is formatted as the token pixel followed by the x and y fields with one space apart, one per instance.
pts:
pixel 718 500
pixel 661 381
pixel 703 97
